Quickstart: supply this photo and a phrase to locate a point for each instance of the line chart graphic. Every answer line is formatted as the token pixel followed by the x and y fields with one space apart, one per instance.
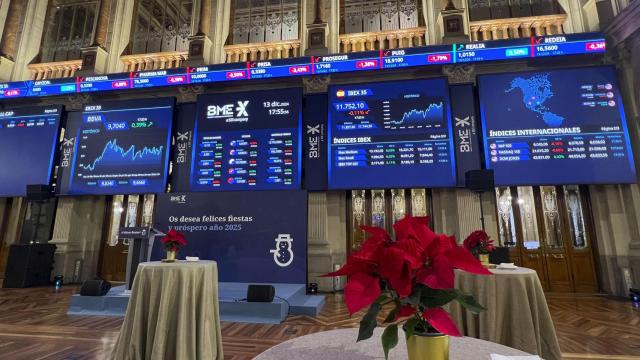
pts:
pixel 116 155
pixel 412 114
pixel 414 117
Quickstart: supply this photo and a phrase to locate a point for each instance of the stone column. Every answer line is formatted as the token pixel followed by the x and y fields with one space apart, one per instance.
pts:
pixel 77 234
pixel 200 42
pixel 429 12
pixel 573 9
pixel 102 26
pixel 4 10
pixel 444 217
pixel 12 28
pixel 29 38
pixel 333 42
pixel 221 26
pixel 94 58
pixel 457 212
pixel 15 11
pixel 119 34
pixel 327 243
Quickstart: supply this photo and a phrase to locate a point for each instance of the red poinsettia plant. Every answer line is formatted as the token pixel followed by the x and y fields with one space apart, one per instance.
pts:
pixel 173 241
pixel 478 242
pixel 413 274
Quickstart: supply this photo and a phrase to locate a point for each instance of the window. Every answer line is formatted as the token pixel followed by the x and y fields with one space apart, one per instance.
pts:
pixel 70 26
pixel 528 217
pixel 256 21
pixel 376 15
pixel 577 228
pixel 506 218
pixel 480 10
pixel 161 26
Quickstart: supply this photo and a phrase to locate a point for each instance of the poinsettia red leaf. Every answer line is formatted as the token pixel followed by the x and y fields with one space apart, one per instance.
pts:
pixel 441 244
pixel 462 259
pixel 439 274
pixel 411 252
pixel 361 291
pixel 403 283
pixel 395 268
pixel 404 229
pixel 405 310
pixel 371 247
pixel 416 236
pixel 441 321
pixel 376 232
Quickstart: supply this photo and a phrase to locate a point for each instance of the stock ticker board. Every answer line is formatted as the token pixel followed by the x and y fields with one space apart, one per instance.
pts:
pixel 248 140
pixel 556 127
pixel 391 134
pixel 497 50
pixel 117 148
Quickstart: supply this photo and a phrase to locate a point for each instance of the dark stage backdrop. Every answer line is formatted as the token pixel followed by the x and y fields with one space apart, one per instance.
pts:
pixel 258 237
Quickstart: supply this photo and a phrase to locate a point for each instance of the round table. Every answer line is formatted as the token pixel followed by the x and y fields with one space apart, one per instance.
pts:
pixel 341 345
pixel 173 313
pixel 517 314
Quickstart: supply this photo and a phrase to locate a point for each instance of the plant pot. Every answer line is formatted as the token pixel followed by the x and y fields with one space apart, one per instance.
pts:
pixel 484 260
pixel 428 347
pixel 171 257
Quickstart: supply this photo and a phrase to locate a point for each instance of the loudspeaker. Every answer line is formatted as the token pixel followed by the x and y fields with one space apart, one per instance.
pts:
pixel 479 180
pixel 260 293
pixel 39 192
pixel 96 287
pixel 499 255
pixel 29 265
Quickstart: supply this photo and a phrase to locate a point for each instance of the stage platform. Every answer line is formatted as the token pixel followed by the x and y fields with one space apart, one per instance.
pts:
pixel 291 299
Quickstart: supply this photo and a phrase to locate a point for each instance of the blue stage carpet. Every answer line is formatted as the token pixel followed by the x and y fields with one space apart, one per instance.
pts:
pixel 290 299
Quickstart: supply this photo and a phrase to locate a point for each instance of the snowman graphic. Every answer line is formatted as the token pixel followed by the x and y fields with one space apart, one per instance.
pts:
pixel 283 253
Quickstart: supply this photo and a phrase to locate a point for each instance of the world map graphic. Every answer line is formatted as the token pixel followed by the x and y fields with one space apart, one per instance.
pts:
pixel 536 90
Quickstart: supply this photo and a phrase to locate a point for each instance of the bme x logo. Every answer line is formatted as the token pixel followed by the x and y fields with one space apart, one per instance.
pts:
pixel 241 109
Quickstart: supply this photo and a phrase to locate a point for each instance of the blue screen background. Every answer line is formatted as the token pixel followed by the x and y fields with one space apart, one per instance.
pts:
pixel 248 141
pixel 27 146
pixel 123 148
pixel 583 105
pixel 392 134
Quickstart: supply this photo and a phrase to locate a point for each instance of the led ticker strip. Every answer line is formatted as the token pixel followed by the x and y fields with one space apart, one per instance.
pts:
pixel 534 47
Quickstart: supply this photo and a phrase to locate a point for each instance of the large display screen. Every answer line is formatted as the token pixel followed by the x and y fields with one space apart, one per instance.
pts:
pixel 556 127
pixel 118 148
pixel 28 140
pixel 242 231
pixel 392 134
pixel 247 140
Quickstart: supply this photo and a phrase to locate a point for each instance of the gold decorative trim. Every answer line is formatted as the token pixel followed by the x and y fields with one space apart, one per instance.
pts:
pixel 53 70
pixel 154 61
pixel 262 51
pixel 387 39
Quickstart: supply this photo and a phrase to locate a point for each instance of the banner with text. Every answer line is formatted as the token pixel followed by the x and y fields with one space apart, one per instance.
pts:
pixel 182 143
pixel 465 130
pixel 257 237
pixel 315 145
